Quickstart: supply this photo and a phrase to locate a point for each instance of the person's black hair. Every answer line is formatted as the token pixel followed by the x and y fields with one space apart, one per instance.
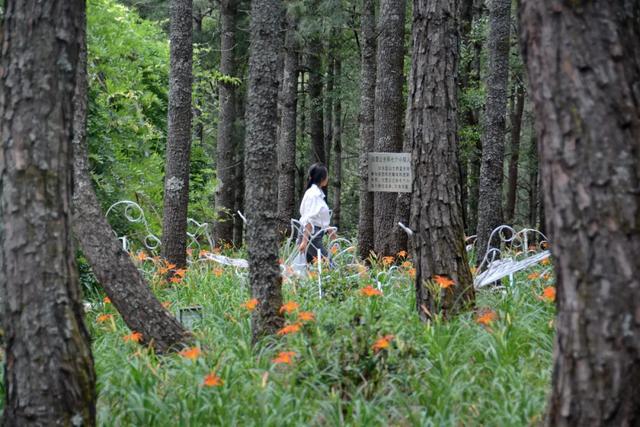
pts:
pixel 317 173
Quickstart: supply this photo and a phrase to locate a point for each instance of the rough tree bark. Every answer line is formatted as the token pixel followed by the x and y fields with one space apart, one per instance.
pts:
pixel 316 124
pixel 260 162
pixel 389 107
pixel 238 206
pixel 49 374
pixel 582 61
pixel 512 183
pixel 337 143
pixel 366 129
pixel 490 215
pixel 436 213
pixel 178 152
pixel 112 266
pixel 287 141
pixel 225 193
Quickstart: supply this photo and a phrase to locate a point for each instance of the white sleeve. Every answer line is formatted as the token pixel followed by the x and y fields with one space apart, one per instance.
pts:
pixel 310 209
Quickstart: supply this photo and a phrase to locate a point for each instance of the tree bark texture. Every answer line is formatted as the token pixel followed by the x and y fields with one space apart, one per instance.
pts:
pixel 490 215
pixel 366 126
pixel 287 141
pixel 436 211
pixel 260 164
pixel 475 157
pixel 337 144
pixel 49 375
pixel 512 183
pixel 584 74
pixel 112 266
pixel 389 107
pixel 316 124
pixel 225 158
pixel 178 152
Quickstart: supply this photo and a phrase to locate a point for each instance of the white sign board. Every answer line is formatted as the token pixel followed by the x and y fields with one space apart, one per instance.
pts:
pixel 390 172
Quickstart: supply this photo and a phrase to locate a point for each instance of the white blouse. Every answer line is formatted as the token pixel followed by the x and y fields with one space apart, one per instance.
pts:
pixel 313 208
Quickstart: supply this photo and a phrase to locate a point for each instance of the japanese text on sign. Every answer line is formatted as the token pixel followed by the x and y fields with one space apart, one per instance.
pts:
pixel 390 172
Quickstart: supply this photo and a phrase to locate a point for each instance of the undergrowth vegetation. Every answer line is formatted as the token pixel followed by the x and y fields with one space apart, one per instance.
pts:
pixel 358 356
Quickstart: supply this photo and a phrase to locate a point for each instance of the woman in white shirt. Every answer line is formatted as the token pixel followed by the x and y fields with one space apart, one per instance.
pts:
pixel 314 212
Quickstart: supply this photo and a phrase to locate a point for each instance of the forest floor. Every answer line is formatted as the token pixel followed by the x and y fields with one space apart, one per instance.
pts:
pixel 350 358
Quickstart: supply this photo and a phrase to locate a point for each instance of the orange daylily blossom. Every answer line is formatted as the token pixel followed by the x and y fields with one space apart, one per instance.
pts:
pixel 285 357
pixel 370 291
pixel 402 254
pixel 545 261
pixel 412 273
pixel 104 317
pixel 180 272
pixel 547 276
pixel 382 343
pixel 533 276
pixel 141 256
pixel 334 250
pixel 306 316
pixel 313 275
pixel 218 271
pixel 487 317
pixel 250 304
pixel 134 336
pixel 443 282
pixel 175 279
pixel 549 293
pixel 191 353
pixel 289 307
pixel 289 329
pixel 202 253
pixel 407 264
pixel 166 304
pixel 388 260
pixel 106 300
pixel 212 380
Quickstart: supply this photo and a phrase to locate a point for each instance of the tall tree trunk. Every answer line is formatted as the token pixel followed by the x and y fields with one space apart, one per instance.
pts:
pixel 287 141
pixel 582 62
pixel 49 375
pixel 366 128
pixel 533 181
pixel 337 142
pixel 329 96
pixel 225 193
pixel 316 125
pixel 238 206
pixel 112 266
pixel 388 121
pixel 436 213
pixel 178 153
pixel 260 162
pixel 490 214
pixel 516 126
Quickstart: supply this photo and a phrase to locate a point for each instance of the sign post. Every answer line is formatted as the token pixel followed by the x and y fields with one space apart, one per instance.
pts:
pixel 390 172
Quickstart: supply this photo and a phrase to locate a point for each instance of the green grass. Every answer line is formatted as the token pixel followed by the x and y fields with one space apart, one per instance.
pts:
pixel 442 373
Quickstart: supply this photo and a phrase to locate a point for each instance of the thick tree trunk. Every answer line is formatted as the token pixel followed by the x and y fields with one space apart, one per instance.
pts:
pixel 337 143
pixel 316 124
pixel 490 214
pixel 436 213
pixel 389 105
pixel 287 141
pixel 582 61
pixel 178 153
pixel 260 164
pixel 225 193
pixel 516 126
pixel 366 120
pixel 49 375
pixel 120 278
